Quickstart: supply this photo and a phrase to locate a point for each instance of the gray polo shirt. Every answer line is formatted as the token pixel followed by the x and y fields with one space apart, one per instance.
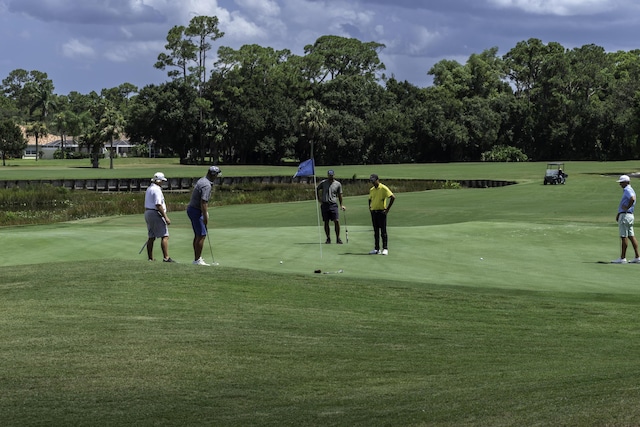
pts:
pixel 330 191
pixel 201 191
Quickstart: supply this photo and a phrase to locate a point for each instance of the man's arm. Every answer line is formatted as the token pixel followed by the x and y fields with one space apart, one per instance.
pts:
pixel 392 199
pixel 163 213
pixel 320 188
pixel 204 205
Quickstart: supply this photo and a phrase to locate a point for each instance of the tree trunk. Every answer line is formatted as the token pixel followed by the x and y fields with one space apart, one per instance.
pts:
pixel 111 155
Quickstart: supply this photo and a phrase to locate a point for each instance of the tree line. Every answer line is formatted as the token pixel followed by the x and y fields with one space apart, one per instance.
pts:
pixel 258 105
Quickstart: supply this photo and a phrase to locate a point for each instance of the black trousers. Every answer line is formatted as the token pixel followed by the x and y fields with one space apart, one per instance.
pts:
pixel 379 220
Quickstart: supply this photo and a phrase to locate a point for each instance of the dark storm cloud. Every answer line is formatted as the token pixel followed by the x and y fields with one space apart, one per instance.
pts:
pixel 123 37
pixel 92 12
pixel 463 27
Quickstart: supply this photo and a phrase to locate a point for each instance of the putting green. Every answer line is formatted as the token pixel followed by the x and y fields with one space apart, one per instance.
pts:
pixel 512 255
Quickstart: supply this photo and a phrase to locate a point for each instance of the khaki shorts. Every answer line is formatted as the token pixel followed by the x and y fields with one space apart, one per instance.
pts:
pixel 625 225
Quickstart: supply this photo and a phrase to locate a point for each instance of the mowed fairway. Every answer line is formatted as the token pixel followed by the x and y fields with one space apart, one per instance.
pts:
pixel 496 306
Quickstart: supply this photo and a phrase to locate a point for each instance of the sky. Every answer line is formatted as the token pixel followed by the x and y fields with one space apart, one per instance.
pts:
pixel 88 45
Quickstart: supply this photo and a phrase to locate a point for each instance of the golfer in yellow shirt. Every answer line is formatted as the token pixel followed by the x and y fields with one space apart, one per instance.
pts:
pixel 380 201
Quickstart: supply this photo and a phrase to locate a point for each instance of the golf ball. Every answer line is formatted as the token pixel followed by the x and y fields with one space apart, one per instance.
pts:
pixel 280 262
pixel 481 259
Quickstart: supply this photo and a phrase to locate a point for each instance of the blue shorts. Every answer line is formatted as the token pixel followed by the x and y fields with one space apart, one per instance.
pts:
pixel 195 215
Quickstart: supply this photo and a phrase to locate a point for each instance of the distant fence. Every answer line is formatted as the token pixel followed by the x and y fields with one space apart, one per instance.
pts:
pixel 176 184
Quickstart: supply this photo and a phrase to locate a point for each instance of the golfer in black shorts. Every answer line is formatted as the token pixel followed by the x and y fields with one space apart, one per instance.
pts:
pixel 330 193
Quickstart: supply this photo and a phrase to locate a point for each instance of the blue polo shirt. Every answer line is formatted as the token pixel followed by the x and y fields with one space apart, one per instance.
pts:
pixel 627 195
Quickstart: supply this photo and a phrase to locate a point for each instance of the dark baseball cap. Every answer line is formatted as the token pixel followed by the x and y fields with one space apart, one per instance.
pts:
pixel 373 177
pixel 330 172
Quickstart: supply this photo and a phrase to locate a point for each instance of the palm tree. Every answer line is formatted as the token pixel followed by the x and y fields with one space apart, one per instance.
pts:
pixel 61 125
pixel 313 121
pixel 80 125
pixel 93 141
pixel 42 98
pixel 37 130
pixel 111 126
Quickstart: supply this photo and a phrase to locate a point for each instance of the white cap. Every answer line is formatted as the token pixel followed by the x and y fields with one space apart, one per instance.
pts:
pixel 159 176
pixel 623 178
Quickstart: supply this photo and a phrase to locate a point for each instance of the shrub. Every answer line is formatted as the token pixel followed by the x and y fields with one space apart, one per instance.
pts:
pixel 504 153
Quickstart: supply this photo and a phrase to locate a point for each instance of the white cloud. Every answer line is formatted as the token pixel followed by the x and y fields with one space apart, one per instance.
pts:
pixel 240 29
pixel 421 40
pixel 74 48
pixel 180 12
pixel 260 8
pixel 87 12
pixel 124 52
pixel 559 7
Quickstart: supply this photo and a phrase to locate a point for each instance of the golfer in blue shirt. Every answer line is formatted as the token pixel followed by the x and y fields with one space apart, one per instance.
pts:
pixel 625 218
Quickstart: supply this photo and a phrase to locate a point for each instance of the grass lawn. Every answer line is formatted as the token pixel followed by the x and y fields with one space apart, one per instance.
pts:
pixel 496 307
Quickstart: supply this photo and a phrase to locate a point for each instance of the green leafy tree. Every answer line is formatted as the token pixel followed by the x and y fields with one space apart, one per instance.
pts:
pixel 409 100
pixel 8 108
pixel 32 92
pixel 333 56
pixel 203 29
pixel 254 98
pixel 119 96
pixel 345 75
pixel 180 52
pixel 165 115
pixel 187 49
pixel 12 141
pixel 471 106
pixel 442 117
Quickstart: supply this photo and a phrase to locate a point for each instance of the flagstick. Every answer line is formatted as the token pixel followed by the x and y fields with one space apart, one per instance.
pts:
pixel 315 190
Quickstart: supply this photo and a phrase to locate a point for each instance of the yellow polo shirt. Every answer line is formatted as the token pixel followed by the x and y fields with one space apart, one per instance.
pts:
pixel 378 197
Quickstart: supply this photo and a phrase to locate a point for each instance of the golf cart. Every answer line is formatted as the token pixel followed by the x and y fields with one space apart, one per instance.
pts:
pixel 555 174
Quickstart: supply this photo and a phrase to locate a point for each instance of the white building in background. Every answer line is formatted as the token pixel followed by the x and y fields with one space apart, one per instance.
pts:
pixel 121 148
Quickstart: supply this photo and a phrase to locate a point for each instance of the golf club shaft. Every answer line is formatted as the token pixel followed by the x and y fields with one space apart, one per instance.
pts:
pixel 210 247
pixel 346 229
pixel 143 246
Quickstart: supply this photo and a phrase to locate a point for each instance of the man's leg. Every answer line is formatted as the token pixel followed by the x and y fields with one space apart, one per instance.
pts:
pixel 327 231
pixel 634 244
pixel 376 230
pixel 623 247
pixel 164 244
pixel 198 244
pixel 150 247
pixel 383 231
pixel 337 230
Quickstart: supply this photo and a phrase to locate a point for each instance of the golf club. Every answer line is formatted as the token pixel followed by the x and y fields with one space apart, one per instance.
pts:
pixel 213 261
pixel 143 246
pixel 346 230
pixel 333 272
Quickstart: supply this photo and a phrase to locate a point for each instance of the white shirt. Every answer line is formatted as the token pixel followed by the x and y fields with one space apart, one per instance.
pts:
pixel 153 196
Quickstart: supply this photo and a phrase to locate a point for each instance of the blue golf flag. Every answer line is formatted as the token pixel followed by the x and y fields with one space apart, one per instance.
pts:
pixel 305 168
